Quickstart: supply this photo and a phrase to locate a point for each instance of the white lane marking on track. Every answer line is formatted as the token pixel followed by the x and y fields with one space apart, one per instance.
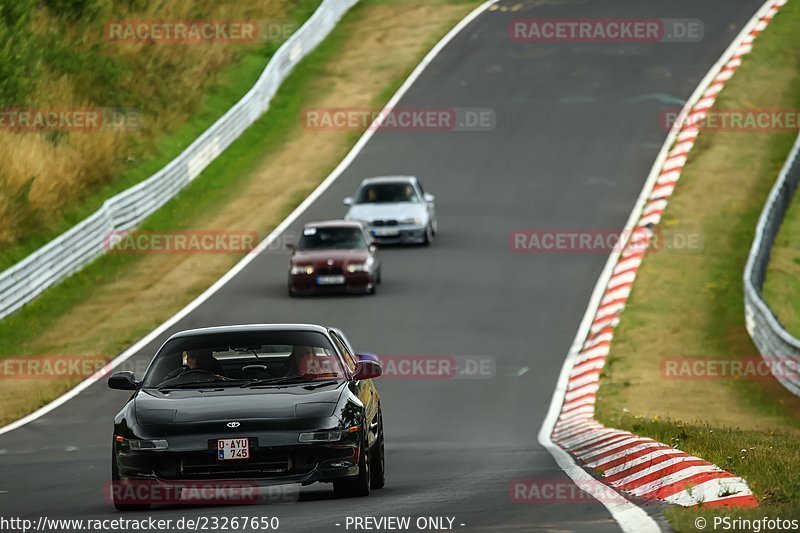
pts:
pixel 630 517
pixel 522 371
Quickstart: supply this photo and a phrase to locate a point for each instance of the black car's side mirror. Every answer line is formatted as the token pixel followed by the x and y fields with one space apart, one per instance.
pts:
pixel 123 381
pixel 367 369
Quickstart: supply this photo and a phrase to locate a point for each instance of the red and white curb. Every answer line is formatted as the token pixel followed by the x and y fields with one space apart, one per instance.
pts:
pixel 642 468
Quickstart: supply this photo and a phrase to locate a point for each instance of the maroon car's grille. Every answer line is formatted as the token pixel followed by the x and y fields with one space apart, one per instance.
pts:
pixel 329 271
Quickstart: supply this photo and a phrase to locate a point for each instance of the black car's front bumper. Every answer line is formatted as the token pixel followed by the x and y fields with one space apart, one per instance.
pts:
pixel 266 465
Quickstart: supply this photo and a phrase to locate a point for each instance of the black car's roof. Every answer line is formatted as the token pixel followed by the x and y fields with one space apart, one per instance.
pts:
pixel 250 328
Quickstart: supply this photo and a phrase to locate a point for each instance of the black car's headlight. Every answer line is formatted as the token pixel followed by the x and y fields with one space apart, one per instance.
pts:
pixel 332 435
pixel 144 445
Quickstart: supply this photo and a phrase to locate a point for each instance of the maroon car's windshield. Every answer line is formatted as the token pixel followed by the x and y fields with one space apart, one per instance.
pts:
pixel 332 238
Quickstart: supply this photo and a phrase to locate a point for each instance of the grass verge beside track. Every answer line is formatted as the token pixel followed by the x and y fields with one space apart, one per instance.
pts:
pixel 688 304
pixel 252 186
pixel 782 286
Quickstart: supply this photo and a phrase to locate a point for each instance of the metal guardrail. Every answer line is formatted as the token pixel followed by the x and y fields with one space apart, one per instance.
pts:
pixel 776 345
pixel 85 242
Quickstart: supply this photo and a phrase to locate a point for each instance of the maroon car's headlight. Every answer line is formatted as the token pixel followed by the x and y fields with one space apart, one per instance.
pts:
pixel 366 266
pixel 297 269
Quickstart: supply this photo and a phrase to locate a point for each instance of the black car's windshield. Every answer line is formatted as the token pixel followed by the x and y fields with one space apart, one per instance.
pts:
pixel 327 238
pixel 242 359
pixel 386 193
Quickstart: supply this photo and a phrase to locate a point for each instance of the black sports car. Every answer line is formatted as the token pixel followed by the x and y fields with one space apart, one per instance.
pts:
pixel 257 404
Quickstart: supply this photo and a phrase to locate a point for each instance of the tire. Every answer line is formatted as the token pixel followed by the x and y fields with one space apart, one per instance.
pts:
pixel 428 235
pixel 115 482
pixel 378 466
pixel 360 485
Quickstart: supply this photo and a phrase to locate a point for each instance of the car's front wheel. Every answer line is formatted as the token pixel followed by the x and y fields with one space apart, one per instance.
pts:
pixel 362 483
pixel 428 238
pixel 378 470
pixel 118 488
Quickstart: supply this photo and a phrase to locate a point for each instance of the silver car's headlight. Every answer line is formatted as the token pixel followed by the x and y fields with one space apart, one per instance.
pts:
pixel 415 221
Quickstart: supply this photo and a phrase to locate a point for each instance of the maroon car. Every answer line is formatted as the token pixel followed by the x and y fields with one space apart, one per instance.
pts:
pixel 334 256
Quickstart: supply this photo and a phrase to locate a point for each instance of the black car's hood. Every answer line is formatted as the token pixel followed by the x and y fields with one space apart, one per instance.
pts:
pixel 267 403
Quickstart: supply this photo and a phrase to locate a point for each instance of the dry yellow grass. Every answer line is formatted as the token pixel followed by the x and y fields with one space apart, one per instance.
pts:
pixel 45 173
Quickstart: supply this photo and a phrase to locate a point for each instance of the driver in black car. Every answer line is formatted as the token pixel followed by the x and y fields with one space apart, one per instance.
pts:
pixel 203 360
pixel 299 362
pixel 200 359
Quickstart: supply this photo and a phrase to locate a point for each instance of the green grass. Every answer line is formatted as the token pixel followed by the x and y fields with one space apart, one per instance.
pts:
pixel 762 457
pixel 234 83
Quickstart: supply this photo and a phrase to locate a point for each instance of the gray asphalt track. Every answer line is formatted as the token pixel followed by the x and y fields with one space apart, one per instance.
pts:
pixel 577 132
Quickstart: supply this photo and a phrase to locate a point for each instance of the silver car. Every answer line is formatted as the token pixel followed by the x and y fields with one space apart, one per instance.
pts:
pixel 396 209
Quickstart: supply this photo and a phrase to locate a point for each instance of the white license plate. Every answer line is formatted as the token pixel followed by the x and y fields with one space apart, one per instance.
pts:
pixel 385 232
pixel 233 449
pixel 330 280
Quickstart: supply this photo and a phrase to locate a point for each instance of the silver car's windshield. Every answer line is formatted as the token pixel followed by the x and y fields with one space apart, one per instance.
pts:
pixel 387 193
